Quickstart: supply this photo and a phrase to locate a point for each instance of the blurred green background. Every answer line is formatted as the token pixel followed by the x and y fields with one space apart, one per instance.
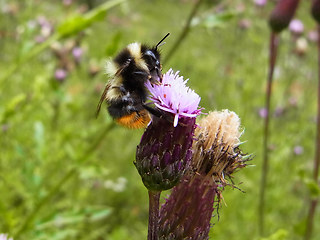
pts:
pixel 66 175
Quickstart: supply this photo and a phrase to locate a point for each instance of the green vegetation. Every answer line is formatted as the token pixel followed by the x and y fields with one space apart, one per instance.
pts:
pixel 66 175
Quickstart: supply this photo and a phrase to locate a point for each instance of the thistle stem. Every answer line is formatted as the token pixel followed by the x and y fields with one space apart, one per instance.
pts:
pixel 314 202
pixel 153 228
pixel 265 165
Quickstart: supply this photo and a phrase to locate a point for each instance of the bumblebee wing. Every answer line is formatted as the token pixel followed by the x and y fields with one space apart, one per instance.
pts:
pixel 112 82
pixel 102 98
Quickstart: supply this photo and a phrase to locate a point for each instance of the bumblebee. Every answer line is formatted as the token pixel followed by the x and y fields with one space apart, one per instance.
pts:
pixel 125 92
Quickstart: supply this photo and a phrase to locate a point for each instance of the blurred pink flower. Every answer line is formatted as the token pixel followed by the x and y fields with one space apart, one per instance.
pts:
pixel 296 27
pixel 5 237
pixel 60 74
pixel 77 53
pixel 260 3
pixel 313 36
pixel 263 112
pixel 298 150
pixel 67 2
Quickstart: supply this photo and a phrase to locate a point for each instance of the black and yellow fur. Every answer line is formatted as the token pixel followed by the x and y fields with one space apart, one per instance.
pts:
pixel 125 92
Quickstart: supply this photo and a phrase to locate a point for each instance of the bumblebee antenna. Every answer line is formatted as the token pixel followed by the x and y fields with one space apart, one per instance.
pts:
pixel 159 43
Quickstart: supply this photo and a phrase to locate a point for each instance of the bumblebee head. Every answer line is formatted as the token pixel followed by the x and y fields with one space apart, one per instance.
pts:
pixel 152 58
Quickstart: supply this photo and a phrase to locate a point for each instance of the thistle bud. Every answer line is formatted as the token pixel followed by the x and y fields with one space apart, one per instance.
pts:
pixel 187 212
pixel 282 14
pixel 315 10
pixel 165 150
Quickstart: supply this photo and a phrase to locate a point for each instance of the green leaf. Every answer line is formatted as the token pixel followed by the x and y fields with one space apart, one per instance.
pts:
pixel 70 218
pixel 313 188
pixel 12 106
pixel 78 23
pixel 280 234
pixel 213 20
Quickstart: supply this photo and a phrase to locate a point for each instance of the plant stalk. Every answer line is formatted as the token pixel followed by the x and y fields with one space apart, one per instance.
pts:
pixel 314 202
pixel 153 227
pixel 274 40
pixel 184 32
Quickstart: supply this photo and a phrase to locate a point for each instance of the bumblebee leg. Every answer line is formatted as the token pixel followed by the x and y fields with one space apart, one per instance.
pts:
pixel 153 111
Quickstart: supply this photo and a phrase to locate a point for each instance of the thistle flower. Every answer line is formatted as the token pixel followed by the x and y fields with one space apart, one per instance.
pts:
pixel 216 151
pixel 164 152
pixel 315 10
pixel 60 74
pixel 260 3
pixel 186 214
pixel 282 14
pixel 5 237
pixel 173 96
pixel 296 27
pixel 77 53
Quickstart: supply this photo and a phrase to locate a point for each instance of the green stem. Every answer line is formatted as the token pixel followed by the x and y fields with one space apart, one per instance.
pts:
pixel 184 32
pixel 265 165
pixel 30 218
pixel 153 227
pixel 314 202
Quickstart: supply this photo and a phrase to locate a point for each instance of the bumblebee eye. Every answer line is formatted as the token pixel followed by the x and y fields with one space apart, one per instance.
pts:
pixel 151 54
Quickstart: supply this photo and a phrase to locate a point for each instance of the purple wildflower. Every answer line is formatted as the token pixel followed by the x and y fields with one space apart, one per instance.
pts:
pixel 298 150
pixel 60 74
pixel 5 237
pixel 263 112
pixel 67 2
pixel 46 26
pixel 313 36
pixel 296 27
pixel 260 3
pixel 173 96
pixel 77 53
pixel 164 152
pixel 39 39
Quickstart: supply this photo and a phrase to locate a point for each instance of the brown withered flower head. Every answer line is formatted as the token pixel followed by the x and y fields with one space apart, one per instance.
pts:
pixel 187 212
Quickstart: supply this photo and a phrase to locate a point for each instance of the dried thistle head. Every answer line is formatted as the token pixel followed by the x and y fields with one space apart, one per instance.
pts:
pixel 216 151
pixel 187 212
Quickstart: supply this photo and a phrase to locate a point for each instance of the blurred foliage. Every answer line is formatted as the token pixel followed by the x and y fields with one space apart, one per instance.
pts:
pixel 66 175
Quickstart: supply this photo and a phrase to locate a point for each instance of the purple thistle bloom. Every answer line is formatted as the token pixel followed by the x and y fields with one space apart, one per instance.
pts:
pixel 173 96
pixel 260 3
pixel 5 237
pixel 298 150
pixel 77 53
pixel 67 2
pixel 296 27
pixel 313 36
pixel 60 74
pixel 188 211
pixel 263 112
pixel 165 150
